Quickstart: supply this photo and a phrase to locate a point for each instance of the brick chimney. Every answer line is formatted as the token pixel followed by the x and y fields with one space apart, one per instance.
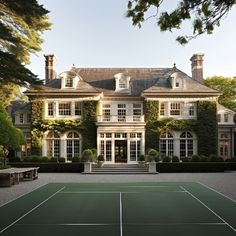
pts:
pixel 197 67
pixel 50 67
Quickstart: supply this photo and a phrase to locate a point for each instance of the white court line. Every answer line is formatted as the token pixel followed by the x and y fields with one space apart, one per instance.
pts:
pixel 146 186
pixel 209 208
pixel 217 192
pixel 24 194
pixel 69 224
pixel 121 219
pixel 65 192
pixel 30 211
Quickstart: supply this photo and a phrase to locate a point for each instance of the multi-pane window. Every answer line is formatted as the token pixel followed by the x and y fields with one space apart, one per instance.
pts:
pixel 191 109
pixel 226 117
pixel 50 109
pixel 53 145
pixel 69 83
pixel 162 109
pixel 121 112
pixel 137 111
pixel 224 145
pixel 28 118
pixel 122 83
pixel 134 150
pixel 219 117
pixel 120 135
pixel 175 109
pixel 77 108
pixel 21 118
pixel 108 150
pixel 186 144
pixel 167 144
pixel 64 109
pixel 72 145
pixel 106 112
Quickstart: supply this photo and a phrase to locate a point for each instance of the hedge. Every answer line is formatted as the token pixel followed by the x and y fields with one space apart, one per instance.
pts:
pixel 52 167
pixel 194 167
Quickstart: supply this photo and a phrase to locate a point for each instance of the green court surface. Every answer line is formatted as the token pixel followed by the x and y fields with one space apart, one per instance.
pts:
pixel 120 209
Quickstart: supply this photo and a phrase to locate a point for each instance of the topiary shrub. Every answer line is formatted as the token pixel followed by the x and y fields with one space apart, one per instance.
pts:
pixel 175 159
pixel 152 155
pixel 195 158
pixel 185 159
pixel 87 155
pixel 212 158
pixel 141 158
pixel 166 159
pixel 76 159
pixel 203 158
pixel 220 159
pixel 100 158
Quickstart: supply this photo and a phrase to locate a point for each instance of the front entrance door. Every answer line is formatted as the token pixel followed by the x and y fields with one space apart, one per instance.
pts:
pixel 121 151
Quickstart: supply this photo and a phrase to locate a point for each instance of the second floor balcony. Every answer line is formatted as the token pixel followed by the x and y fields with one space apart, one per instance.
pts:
pixel 120 118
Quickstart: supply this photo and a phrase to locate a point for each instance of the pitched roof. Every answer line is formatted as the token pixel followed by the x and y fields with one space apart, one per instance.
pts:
pixel 143 81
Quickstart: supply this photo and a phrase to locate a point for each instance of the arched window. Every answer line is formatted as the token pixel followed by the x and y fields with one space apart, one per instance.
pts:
pixel 167 144
pixel 72 145
pixel 186 144
pixel 53 144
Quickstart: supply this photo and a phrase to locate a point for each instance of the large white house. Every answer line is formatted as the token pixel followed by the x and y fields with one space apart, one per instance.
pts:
pixel 124 111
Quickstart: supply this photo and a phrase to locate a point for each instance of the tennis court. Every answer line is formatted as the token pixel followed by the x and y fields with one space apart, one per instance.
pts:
pixel 122 209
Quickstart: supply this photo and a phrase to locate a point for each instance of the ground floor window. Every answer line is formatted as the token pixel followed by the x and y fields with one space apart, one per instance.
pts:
pixel 167 144
pixel 134 150
pixel 224 145
pixel 72 145
pixel 53 145
pixel 186 144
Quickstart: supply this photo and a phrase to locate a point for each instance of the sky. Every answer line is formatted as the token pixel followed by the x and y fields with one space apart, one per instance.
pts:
pixel 92 33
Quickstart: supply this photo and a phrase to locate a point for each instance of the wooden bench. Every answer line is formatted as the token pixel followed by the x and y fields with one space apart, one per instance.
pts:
pixel 11 176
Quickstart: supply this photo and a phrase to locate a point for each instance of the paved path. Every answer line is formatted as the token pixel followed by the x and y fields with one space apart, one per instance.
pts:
pixel 222 182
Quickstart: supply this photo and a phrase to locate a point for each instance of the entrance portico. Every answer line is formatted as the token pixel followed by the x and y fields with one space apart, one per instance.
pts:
pixel 121 144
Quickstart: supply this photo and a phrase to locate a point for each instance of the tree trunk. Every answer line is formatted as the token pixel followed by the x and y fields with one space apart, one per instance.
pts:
pixel 5 153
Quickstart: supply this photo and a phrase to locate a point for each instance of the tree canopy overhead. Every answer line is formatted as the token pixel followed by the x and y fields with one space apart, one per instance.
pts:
pixel 227 86
pixel 205 15
pixel 21 25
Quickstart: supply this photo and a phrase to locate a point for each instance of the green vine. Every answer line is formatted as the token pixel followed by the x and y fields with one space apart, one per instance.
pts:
pixel 207 127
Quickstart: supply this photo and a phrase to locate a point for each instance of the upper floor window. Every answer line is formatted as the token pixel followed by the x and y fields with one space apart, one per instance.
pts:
pixel 106 112
pixel 219 117
pixel 162 109
pixel 64 109
pixel 50 109
pixel 121 112
pixel 177 84
pixel 28 118
pixel 78 109
pixel 137 111
pixel 21 118
pixel 226 117
pixel 69 83
pixel 175 109
pixel 122 82
pixel 191 109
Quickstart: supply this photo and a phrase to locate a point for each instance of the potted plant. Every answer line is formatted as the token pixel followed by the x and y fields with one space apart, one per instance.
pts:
pixel 100 160
pixel 87 158
pixel 152 155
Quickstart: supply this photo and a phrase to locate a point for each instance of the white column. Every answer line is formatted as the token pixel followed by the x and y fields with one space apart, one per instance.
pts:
pixel 113 147
pixel 143 143
pixel 44 147
pixel 128 148
pixel 98 143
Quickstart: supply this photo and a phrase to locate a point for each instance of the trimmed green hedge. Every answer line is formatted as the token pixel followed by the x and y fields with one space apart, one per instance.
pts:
pixel 52 167
pixel 193 167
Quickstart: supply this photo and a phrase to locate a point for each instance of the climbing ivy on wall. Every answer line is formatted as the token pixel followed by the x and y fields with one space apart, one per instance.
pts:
pixel 151 111
pixel 90 111
pixel 86 126
pixel 207 127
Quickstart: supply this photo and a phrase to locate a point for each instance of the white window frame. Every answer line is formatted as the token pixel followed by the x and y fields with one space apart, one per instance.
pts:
pixel 65 111
pixel 175 107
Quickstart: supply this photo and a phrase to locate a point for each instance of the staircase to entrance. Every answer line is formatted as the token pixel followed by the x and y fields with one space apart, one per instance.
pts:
pixel 120 169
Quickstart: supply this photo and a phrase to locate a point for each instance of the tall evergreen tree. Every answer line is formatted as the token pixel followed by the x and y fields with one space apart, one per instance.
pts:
pixel 21 25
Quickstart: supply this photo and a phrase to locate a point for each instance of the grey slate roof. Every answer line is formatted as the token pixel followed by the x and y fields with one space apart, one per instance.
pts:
pixel 143 81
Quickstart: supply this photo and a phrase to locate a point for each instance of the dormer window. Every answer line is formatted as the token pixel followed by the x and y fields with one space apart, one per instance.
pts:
pixel 69 83
pixel 177 84
pixel 122 83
